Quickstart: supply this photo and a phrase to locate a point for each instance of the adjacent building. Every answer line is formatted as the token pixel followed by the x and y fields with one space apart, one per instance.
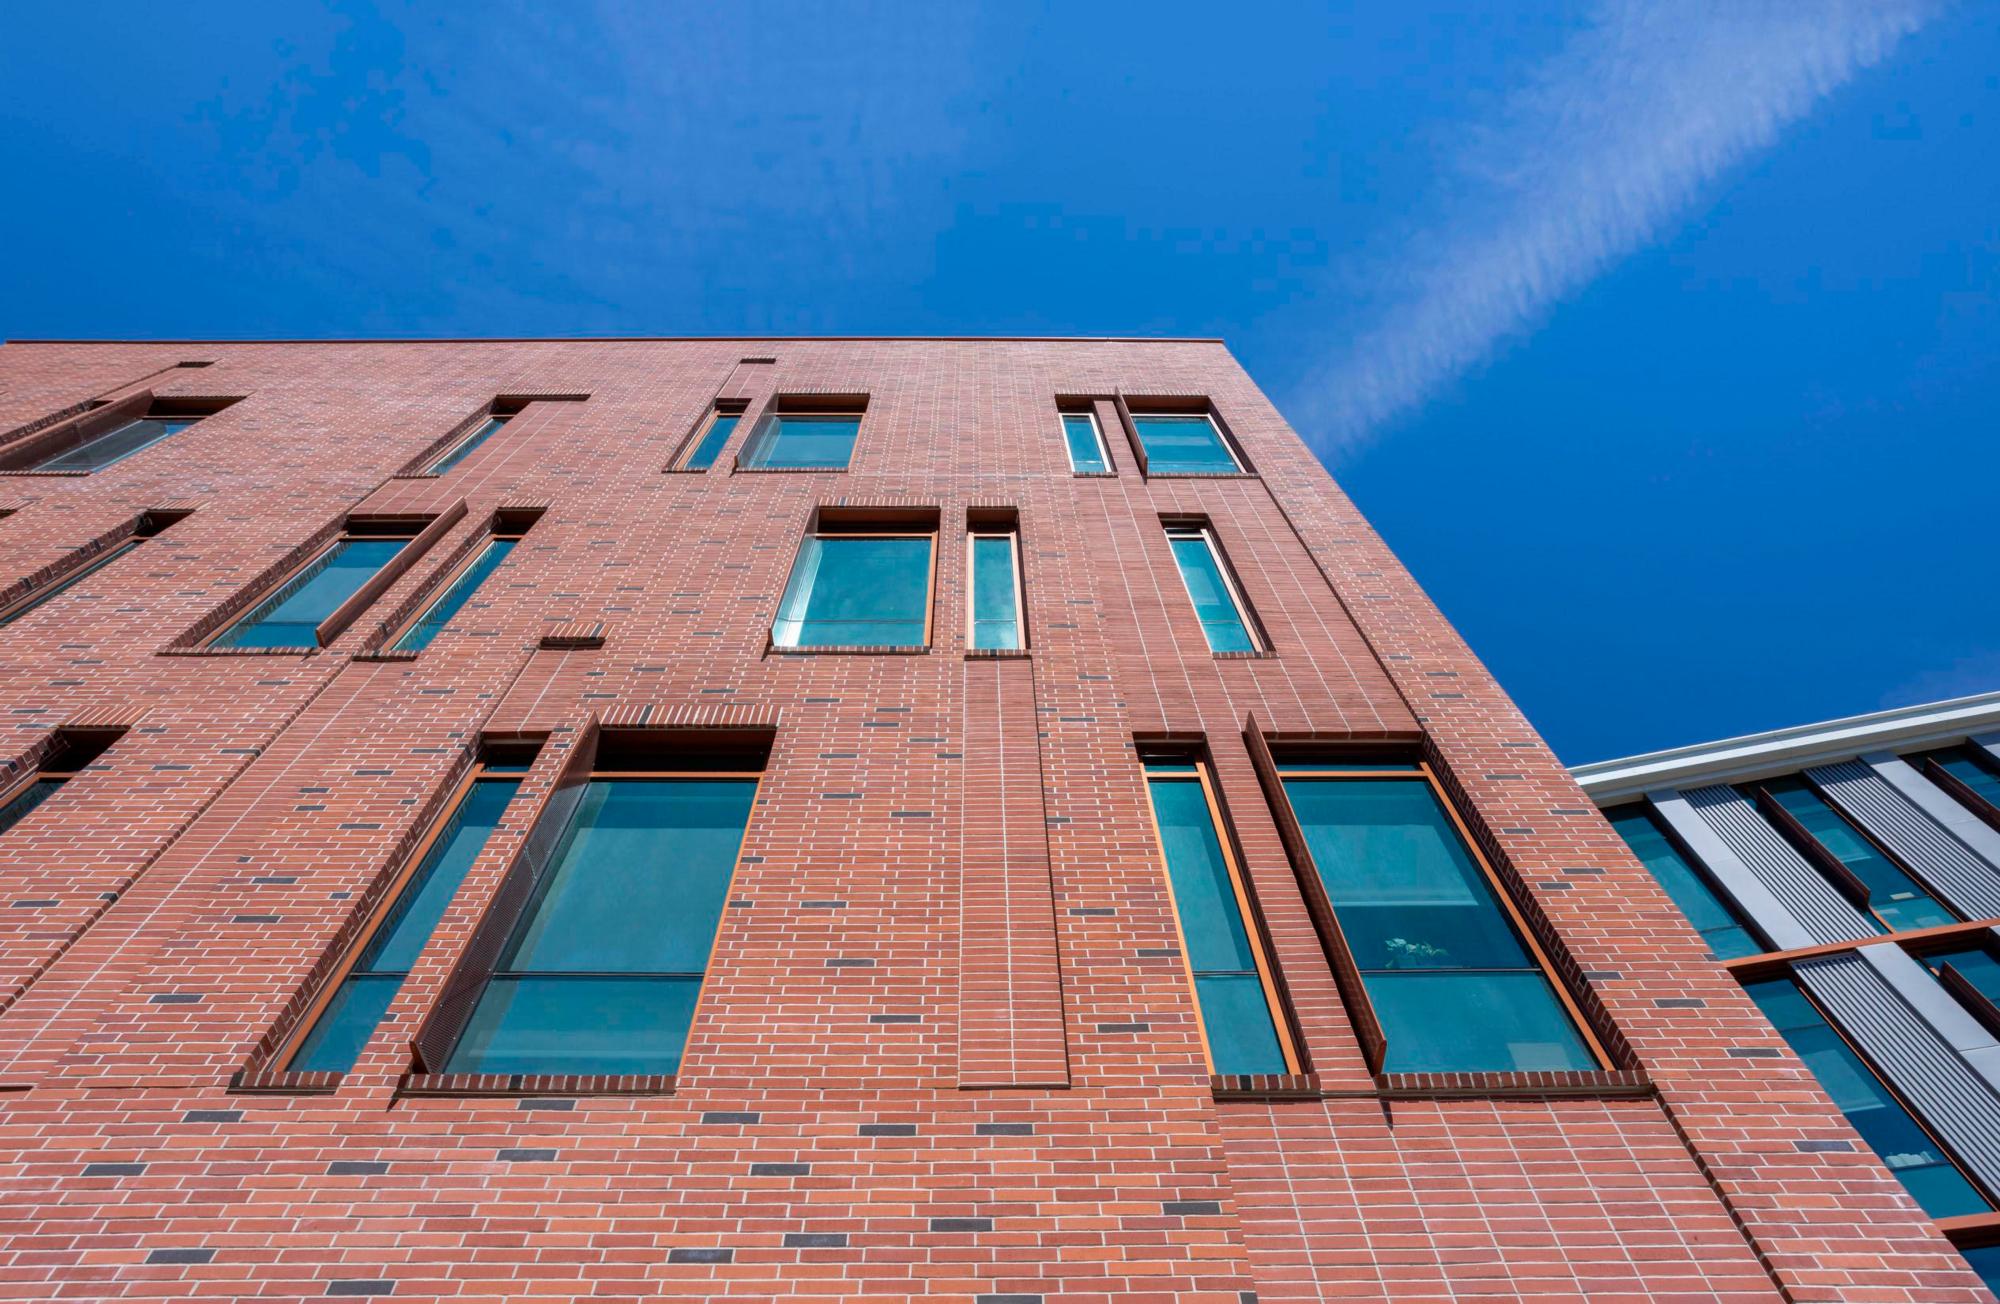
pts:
pixel 975 820
pixel 1848 875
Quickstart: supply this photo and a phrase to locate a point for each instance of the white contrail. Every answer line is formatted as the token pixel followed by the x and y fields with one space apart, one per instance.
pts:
pixel 1618 133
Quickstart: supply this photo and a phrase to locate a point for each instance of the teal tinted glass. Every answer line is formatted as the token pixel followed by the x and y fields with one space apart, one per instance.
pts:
pixel 1242 1037
pixel 116 445
pixel 455 596
pixel 465 447
pixel 603 973
pixel 1974 964
pixel 1086 454
pixel 1967 766
pixel 1985 1260
pixel 1688 888
pixel 806 442
pixel 1888 1128
pixel 291 617
pixel 75 577
pixel 1183 445
pixel 995 622
pixel 1893 895
pixel 1222 623
pixel 718 433
pixel 1452 983
pixel 26 800
pixel 350 1018
pixel 857 592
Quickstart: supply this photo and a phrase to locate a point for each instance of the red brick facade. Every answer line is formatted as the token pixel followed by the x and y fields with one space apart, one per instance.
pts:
pixel 946 1048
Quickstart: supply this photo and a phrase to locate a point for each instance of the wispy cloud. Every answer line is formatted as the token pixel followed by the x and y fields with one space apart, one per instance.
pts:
pixel 1617 134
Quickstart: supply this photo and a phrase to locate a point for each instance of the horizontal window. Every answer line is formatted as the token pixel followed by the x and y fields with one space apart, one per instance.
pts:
pixel 1183 444
pixel 602 974
pixel 804 441
pixel 1892 895
pixel 1453 978
pixel 117 444
pixel 464 448
pixel 1233 986
pixel 292 614
pixel 1727 935
pixel 1087 455
pixel 858 590
pixel 346 1017
pixel 995 609
pixel 1224 618
pixel 721 424
pixel 1888 1127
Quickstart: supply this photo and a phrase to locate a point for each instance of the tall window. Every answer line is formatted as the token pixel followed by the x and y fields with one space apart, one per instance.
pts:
pixel 721 424
pixel 1972 972
pixel 351 1006
pixel 1225 619
pixel 1225 957
pixel 1724 930
pixel 118 443
pixel 1889 1128
pixel 1087 455
pixel 995 610
pixel 1456 982
pixel 858 589
pixel 1184 444
pixel 70 752
pixel 292 614
pixel 1969 773
pixel 149 525
pixel 1895 898
pixel 803 441
pixel 458 452
pixel 602 972
pixel 458 590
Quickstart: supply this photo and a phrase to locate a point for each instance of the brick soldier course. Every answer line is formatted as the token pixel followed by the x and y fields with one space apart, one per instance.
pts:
pixel 946 1048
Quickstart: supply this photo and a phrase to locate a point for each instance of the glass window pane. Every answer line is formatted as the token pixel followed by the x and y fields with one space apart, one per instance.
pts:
pixel 116 445
pixel 456 595
pixel 1237 1017
pixel 857 592
pixel 1985 1260
pixel 290 617
pixel 346 1023
pixel 1183 444
pixel 76 576
pixel 712 440
pixel 1211 921
pixel 1887 1127
pixel 994 621
pixel 1893 895
pixel 639 881
pixel 583 1024
pixel 1086 455
pixel 1963 765
pixel 1481 1022
pixel 1221 622
pixel 1689 890
pixel 422 902
pixel 1974 964
pixel 465 447
pixel 809 442
pixel 26 800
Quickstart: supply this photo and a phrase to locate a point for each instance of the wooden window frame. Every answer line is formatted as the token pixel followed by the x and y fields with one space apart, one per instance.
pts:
pixel 1205 530
pixel 418 534
pixel 738 408
pixel 1253 920
pixel 1012 534
pixel 497 533
pixel 1832 867
pixel 821 531
pixel 1088 413
pixel 1518 920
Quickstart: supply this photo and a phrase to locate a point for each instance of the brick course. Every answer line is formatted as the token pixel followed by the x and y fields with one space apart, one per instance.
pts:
pixel 946 1049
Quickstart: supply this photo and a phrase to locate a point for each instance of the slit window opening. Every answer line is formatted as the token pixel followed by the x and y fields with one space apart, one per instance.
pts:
pixel 804 441
pixel 1895 898
pixel 1976 965
pixel 291 616
pixel 353 1007
pixel 996 591
pixel 1455 982
pixel 721 425
pixel 603 972
pixel 1087 455
pixel 27 602
pixel 70 754
pixel 1888 1127
pixel 1225 620
pixel 1233 987
pixel 117 444
pixel 858 590
pixel 1975 770
pixel 456 593
pixel 1705 907
pixel 1184 444
pixel 465 447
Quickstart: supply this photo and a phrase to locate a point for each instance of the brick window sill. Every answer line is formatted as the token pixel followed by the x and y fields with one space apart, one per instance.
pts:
pixel 1244 656
pixel 1434 1086
pixel 788 470
pixel 48 475
pixel 388 654
pixel 537 1084
pixel 282 1082
pixel 415 475
pixel 997 654
pixel 1265 1086
pixel 1093 475
pixel 1201 475
pixel 238 651
pixel 857 651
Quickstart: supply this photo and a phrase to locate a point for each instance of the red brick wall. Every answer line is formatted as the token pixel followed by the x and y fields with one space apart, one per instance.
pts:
pixel 1009 1039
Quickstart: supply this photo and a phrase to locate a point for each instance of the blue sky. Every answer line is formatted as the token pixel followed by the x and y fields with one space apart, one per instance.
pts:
pixel 1659 338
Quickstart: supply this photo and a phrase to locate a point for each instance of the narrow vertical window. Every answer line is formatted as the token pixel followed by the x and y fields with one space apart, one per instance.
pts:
pixel 995 566
pixel 1225 620
pixel 459 589
pixel 148 525
pixel 347 1012
pixel 1727 935
pixel 464 448
pixel 1970 774
pixel 117 444
pixel 1184 444
pixel 602 973
pixel 292 614
pixel 858 589
pixel 1233 987
pixel 1892 895
pixel 70 752
pixel 1889 1128
pixel 1971 972
pixel 1087 455
pixel 720 426
pixel 1455 979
